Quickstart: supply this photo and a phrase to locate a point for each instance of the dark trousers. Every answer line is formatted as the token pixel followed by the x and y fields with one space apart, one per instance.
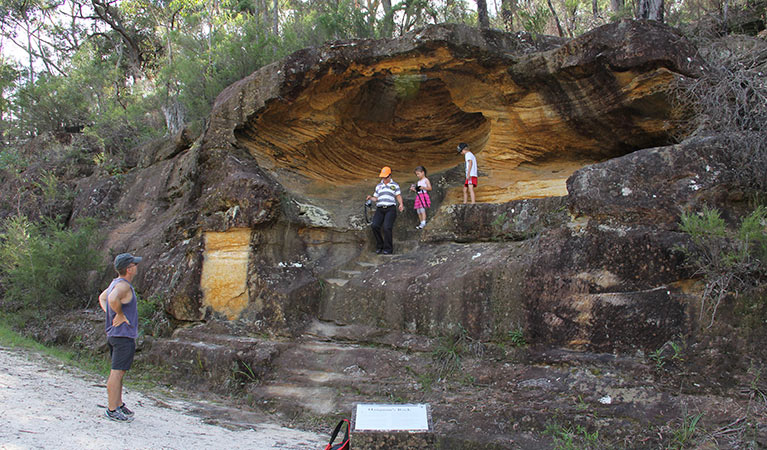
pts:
pixel 382 225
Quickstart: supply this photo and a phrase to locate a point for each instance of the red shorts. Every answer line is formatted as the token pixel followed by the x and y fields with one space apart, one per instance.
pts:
pixel 473 181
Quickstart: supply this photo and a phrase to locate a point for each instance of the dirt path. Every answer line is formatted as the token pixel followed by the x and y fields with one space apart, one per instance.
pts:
pixel 43 405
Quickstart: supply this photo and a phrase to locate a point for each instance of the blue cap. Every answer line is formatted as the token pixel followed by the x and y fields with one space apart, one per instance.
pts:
pixel 123 260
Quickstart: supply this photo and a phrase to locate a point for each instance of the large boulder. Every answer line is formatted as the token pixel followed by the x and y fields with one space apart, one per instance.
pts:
pixel 654 186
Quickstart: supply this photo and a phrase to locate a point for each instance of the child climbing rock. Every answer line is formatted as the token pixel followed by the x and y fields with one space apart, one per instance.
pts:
pixel 422 200
pixel 471 171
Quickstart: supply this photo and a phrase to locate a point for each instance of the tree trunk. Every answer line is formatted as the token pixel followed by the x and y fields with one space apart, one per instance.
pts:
pixel 29 51
pixel 594 8
pixel 111 16
pixel 508 8
pixel 276 18
pixel 388 20
pixel 556 19
pixel 484 21
pixel 175 115
pixel 616 5
pixel 651 10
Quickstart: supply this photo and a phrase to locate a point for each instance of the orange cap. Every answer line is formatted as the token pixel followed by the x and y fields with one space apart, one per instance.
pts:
pixel 385 172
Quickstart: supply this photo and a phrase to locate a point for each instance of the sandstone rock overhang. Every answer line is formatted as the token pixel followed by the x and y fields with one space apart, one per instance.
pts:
pixel 534 109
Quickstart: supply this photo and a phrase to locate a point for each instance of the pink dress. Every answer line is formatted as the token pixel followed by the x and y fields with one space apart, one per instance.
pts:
pixel 422 199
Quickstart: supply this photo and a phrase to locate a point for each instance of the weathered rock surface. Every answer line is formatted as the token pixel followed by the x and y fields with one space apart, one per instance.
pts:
pixel 282 160
pixel 654 186
pixel 335 114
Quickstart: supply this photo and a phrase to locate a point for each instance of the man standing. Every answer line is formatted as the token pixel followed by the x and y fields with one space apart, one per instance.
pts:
pixel 120 304
pixel 471 171
pixel 385 195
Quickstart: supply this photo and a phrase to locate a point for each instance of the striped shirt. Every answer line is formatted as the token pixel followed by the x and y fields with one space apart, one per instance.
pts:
pixel 387 193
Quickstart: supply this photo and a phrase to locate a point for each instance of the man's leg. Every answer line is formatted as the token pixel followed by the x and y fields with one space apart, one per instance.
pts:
pixel 115 388
pixel 122 351
pixel 465 192
pixel 375 225
pixel 388 227
pixel 471 193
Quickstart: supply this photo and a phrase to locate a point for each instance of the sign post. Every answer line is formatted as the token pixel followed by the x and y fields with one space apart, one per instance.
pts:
pixel 388 426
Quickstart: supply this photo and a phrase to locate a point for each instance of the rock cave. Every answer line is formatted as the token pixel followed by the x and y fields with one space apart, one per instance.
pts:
pixel 291 150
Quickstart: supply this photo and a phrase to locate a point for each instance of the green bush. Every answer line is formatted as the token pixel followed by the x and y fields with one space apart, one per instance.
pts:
pixel 152 318
pixel 45 266
pixel 729 261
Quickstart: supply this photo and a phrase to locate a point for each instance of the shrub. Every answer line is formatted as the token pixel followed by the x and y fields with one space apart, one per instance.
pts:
pixel 451 348
pixel 730 261
pixel 151 316
pixel 45 266
pixel 729 99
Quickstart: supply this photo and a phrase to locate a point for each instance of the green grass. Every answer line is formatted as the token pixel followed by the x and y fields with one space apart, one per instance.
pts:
pixel 142 375
pixel 683 436
pixel 573 438
pixel 82 360
pixel 517 337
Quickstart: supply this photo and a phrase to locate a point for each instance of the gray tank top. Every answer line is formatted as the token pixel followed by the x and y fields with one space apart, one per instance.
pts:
pixel 130 310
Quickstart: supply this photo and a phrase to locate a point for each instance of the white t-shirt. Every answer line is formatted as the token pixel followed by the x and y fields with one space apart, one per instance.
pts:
pixel 470 157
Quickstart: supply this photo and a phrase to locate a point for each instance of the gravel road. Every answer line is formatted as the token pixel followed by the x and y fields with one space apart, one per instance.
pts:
pixel 48 406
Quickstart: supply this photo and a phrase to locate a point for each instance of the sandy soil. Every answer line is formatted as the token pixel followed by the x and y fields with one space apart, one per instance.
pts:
pixel 46 405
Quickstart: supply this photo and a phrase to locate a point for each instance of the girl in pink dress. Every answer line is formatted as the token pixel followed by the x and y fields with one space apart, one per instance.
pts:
pixel 422 200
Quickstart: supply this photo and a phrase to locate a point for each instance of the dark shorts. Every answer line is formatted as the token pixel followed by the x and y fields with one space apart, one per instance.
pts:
pixel 121 350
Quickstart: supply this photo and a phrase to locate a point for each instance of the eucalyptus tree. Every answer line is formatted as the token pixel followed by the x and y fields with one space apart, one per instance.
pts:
pixel 482 18
pixel 651 10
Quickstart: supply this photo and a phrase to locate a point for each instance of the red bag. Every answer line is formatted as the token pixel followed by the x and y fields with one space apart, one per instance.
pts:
pixel 344 445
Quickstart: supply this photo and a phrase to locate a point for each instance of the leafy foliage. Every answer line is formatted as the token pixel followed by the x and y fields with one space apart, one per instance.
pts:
pixel 517 337
pixel 45 266
pixel 152 318
pixel 730 261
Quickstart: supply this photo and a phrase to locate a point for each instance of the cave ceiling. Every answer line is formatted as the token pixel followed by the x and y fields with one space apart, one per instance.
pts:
pixel 532 113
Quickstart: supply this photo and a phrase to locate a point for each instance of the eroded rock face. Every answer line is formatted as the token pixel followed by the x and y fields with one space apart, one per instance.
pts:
pixel 334 115
pixel 289 150
pixel 260 220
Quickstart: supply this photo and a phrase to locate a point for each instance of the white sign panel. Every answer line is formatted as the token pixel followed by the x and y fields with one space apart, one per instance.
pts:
pixel 375 417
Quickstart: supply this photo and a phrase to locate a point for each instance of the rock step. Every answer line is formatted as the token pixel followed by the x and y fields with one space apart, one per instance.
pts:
pixel 350 273
pixel 317 399
pixel 337 281
pixel 356 335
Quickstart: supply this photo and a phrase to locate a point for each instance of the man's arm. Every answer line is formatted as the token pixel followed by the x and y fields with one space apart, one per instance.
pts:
pixel 103 300
pixel 373 197
pixel 401 205
pixel 120 295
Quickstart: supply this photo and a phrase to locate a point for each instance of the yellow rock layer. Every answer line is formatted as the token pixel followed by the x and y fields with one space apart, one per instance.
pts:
pixel 225 271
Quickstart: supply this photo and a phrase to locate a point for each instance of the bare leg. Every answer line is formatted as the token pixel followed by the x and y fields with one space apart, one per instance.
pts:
pixel 422 216
pixel 471 192
pixel 465 192
pixel 115 388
